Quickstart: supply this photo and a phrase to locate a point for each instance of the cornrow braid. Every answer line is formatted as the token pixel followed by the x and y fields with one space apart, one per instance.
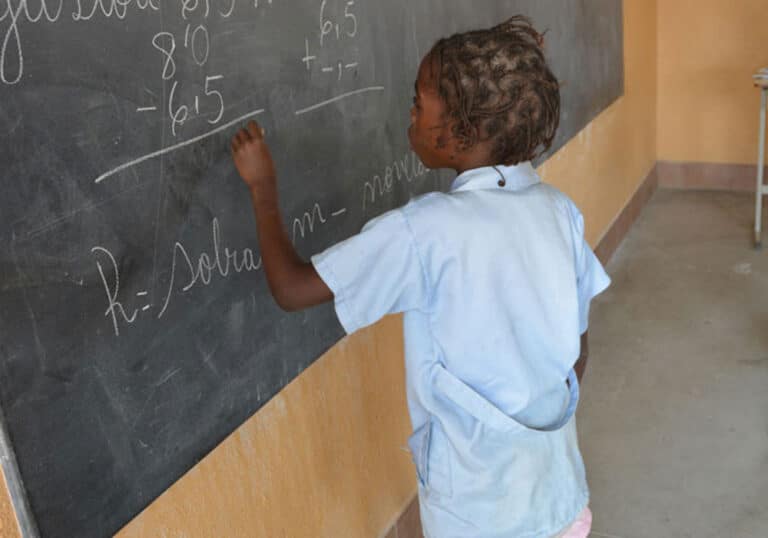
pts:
pixel 498 89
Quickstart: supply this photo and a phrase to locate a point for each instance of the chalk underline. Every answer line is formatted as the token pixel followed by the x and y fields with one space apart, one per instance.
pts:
pixel 180 145
pixel 227 125
pixel 339 98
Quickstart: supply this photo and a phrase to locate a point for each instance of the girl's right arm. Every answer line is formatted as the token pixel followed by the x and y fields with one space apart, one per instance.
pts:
pixel 294 283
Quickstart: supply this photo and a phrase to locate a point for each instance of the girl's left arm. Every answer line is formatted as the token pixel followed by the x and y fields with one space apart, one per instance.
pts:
pixel 294 283
pixel 581 363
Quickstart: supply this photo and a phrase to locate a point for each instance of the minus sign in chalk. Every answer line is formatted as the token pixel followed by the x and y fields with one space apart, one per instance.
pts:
pixel 339 212
pixel 146 109
pixel 142 294
pixel 146 308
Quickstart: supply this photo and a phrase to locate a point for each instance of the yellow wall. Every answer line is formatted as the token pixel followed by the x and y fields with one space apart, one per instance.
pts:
pixel 8 525
pixel 326 458
pixel 708 51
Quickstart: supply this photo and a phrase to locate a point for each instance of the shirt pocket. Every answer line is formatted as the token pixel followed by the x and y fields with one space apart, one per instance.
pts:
pixel 431 456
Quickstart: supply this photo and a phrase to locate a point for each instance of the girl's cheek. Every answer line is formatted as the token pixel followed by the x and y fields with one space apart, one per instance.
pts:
pixel 414 141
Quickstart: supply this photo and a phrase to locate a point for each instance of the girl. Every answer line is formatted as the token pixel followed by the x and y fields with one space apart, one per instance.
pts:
pixel 495 280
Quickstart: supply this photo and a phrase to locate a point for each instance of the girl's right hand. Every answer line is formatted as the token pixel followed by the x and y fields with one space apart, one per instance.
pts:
pixel 253 159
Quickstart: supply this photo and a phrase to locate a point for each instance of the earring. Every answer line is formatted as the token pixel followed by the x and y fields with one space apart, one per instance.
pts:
pixel 502 181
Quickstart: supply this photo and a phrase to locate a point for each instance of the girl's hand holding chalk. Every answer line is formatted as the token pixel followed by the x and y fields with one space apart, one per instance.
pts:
pixel 254 161
pixel 293 282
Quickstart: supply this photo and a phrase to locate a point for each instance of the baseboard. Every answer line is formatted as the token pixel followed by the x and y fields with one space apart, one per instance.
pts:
pixel 708 176
pixel 627 217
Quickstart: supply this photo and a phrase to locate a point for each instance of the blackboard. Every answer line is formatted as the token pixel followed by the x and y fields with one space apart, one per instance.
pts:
pixel 137 330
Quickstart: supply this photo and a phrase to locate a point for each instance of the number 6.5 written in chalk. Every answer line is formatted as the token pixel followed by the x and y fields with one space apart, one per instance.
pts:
pixel 327 26
pixel 179 115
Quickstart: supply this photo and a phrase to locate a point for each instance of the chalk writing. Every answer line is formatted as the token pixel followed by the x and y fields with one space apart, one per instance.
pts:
pixel 12 50
pixel 408 168
pixel 307 223
pixel 186 273
pixel 109 8
pixel 115 309
pixel 336 26
pixel 202 270
pixel 197 41
pixel 175 147
pixel 338 98
pixel 14 14
pixel 182 56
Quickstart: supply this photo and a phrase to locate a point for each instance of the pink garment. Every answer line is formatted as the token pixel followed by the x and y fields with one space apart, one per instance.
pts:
pixel 580 527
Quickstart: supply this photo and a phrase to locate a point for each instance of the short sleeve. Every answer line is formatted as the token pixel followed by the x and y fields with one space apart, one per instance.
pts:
pixel 591 278
pixel 374 273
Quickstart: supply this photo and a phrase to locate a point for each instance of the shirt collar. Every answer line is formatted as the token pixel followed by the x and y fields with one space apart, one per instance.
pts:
pixel 511 178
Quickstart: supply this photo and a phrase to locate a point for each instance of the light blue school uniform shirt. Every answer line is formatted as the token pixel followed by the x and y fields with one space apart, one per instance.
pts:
pixel 495 280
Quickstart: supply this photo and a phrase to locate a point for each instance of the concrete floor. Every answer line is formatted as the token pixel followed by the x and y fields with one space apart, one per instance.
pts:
pixel 673 422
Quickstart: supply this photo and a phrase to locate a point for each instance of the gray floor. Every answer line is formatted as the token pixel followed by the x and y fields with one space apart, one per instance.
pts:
pixel 673 422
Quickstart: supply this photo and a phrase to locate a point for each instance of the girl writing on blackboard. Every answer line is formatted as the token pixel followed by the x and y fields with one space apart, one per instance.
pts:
pixel 495 280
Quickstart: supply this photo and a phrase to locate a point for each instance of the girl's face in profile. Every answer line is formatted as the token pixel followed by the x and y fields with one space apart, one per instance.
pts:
pixel 430 133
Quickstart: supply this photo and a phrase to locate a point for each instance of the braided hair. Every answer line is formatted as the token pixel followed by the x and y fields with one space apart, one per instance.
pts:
pixel 498 89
